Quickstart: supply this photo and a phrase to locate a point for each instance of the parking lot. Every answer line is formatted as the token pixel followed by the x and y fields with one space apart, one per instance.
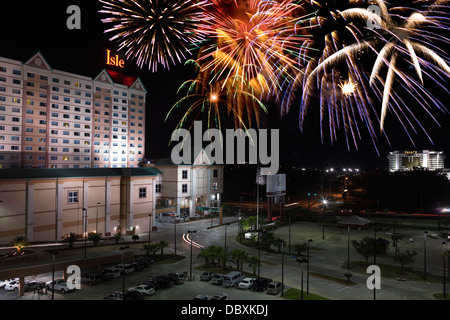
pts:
pixel 185 291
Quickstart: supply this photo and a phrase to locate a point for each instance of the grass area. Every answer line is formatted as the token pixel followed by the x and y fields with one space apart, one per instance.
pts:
pixel 165 258
pixel 440 296
pixel 393 271
pixel 295 294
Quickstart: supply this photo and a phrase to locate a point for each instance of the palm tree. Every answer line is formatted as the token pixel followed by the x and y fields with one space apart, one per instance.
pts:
pixel 117 237
pixel 95 237
pixel 206 254
pixel 239 256
pixel 70 238
pixel 279 242
pixel 162 244
pixel 253 262
pixel 19 242
pixel 152 247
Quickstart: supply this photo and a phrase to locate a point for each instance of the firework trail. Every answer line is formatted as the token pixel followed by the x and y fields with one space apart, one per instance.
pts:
pixel 155 32
pixel 406 36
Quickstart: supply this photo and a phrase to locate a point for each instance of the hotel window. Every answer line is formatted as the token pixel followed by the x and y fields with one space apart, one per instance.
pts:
pixel 72 196
pixel 184 174
pixel 142 193
pixel 184 188
pixel 158 188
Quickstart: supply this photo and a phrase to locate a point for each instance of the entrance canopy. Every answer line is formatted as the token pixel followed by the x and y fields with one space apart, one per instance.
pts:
pixel 354 221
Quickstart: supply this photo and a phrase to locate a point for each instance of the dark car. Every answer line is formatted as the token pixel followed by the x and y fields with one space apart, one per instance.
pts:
pixel 34 285
pixel 91 278
pixel 118 295
pixel 146 261
pixel 260 284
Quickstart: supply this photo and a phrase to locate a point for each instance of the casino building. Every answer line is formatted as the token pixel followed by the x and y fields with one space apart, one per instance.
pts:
pixel 408 160
pixel 55 119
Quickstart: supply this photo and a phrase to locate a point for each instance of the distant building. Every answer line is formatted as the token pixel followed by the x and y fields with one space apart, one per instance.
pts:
pixel 408 160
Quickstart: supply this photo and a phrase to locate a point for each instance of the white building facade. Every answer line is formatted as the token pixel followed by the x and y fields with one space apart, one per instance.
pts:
pixel 408 160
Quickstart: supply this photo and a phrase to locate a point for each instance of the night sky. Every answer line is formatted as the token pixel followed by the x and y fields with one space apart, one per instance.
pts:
pixel 31 26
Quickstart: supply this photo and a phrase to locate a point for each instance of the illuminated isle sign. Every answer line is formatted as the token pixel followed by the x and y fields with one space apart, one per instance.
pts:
pixel 114 61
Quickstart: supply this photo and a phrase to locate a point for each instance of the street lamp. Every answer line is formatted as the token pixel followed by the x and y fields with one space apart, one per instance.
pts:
pixel 85 232
pixel 190 264
pixel 96 219
pixel 53 252
pixel 324 203
pixel 443 273
pixel 348 246
pixel 149 227
pixel 307 273
pixel 225 244
pixel 425 254
pixel 175 233
pixel 302 261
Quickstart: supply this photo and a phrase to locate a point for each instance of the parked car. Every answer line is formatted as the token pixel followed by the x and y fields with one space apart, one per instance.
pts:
pixel 202 297
pixel 207 276
pixel 232 279
pixel 177 277
pixel 217 279
pixel 33 285
pixel 91 278
pixel 246 283
pixel 274 287
pixel 110 271
pixel 260 284
pixel 12 285
pixel 146 261
pixel 220 296
pixel 58 285
pixel 118 295
pixel 127 268
pixel 145 290
pixel 6 281
pixel 137 265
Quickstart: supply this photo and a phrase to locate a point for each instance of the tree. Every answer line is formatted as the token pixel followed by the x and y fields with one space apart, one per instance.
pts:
pixel 206 254
pixel 299 248
pixel 135 237
pixel 267 239
pixel 117 237
pixel 279 242
pixel 239 257
pixel 405 257
pixel 253 262
pixel 152 247
pixel 70 238
pixel 19 242
pixel 365 247
pixel 95 237
pixel 161 245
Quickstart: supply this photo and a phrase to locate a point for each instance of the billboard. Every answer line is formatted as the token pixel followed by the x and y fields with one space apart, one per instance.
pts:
pixel 276 185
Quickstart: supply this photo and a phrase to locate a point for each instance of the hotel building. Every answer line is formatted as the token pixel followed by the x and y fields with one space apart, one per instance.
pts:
pixel 55 119
pixel 408 160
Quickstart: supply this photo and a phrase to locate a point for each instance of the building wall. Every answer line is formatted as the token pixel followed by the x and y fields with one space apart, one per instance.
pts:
pixel 55 119
pixel 45 210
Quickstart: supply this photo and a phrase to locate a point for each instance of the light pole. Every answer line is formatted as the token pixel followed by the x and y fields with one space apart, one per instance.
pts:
pixel 443 273
pixel 190 263
pixel 175 233
pixel 324 203
pixel 289 222
pixel 302 261
pixel 96 218
pixel 348 246
pixel 53 252
pixel 282 268
pixel 225 244
pixel 425 254
pixel 85 232
pixel 307 267
pixel 149 228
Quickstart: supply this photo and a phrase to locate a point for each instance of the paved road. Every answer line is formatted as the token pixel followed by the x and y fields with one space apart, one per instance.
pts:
pixel 326 257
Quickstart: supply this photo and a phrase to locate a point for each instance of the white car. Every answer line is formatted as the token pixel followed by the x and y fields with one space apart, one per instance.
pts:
pixel 111 272
pixel 12 285
pixel 3 283
pixel 143 289
pixel 58 285
pixel 246 283
pixel 220 296
pixel 127 268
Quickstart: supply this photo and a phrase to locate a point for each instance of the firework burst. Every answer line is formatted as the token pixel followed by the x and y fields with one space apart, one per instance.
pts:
pixel 405 36
pixel 155 32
